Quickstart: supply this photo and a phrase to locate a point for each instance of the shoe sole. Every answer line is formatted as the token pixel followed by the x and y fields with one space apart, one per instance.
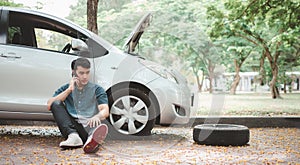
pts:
pixel 71 146
pixel 98 136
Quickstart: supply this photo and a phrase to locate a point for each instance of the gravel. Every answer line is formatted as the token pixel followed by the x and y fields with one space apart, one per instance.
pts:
pixel 167 145
pixel 30 130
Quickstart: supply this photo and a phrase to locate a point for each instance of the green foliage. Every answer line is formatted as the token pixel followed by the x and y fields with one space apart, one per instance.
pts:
pixel 79 11
pixel 10 3
pixel 195 33
pixel 264 25
pixel 174 36
pixel 196 36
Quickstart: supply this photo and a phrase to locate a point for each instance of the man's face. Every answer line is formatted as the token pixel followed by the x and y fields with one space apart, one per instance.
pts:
pixel 83 75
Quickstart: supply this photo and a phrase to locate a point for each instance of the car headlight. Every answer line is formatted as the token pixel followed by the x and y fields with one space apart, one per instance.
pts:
pixel 160 70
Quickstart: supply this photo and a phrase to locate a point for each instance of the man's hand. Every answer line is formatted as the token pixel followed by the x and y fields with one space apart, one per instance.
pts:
pixel 94 121
pixel 49 103
pixel 72 83
pixel 102 115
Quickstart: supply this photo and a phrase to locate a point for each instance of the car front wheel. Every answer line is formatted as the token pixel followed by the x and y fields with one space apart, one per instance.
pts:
pixel 131 112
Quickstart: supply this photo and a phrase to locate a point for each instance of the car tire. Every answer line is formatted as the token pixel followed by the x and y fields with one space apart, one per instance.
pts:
pixel 221 134
pixel 132 113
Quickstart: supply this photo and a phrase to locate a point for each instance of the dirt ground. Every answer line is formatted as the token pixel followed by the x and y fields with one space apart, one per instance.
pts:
pixel 167 145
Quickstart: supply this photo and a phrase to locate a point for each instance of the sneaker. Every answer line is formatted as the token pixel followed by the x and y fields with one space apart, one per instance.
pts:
pixel 73 141
pixel 97 137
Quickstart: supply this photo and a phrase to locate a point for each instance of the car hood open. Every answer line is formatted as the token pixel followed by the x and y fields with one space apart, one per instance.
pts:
pixel 134 37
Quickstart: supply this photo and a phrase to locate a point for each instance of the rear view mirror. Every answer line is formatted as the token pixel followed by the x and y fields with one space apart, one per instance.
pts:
pixel 79 45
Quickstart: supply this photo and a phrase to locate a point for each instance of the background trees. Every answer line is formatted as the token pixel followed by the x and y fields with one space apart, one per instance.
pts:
pixel 199 37
pixel 272 26
pixel 9 3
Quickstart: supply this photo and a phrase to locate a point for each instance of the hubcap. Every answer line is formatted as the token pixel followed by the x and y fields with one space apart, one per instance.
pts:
pixel 129 115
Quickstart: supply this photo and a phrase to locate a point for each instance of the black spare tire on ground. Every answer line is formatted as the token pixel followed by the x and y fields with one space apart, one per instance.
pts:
pixel 221 134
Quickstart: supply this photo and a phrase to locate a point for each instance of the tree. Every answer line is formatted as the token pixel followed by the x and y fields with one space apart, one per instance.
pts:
pixel 270 25
pixel 9 3
pixel 78 12
pixel 177 35
pixel 92 10
pixel 240 52
pixel 176 29
pixel 203 59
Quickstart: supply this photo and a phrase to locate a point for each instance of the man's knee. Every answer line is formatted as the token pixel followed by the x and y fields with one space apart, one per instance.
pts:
pixel 57 104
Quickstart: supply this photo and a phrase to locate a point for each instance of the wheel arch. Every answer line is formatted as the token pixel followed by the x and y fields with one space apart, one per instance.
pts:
pixel 141 87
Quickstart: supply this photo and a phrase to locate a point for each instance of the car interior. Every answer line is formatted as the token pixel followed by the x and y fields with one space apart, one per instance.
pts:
pixel 28 30
pixel 22 29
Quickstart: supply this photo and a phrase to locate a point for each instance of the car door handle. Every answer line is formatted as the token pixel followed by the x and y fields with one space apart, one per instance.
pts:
pixel 10 55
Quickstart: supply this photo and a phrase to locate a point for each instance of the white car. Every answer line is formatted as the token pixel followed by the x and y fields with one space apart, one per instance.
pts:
pixel 36 50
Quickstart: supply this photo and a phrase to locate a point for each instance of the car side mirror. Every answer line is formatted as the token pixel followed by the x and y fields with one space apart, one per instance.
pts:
pixel 79 45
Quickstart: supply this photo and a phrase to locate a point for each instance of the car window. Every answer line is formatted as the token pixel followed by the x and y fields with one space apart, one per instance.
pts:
pixel 51 40
pixel 41 32
pixel 14 33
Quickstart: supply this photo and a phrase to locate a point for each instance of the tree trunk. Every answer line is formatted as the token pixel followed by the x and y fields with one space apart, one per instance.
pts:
pixel 92 9
pixel 284 87
pixel 211 68
pixel 235 83
pixel 273 86
pixel 210 83
pixel 237 78
pixel 262 72
pixel 198 82
pixel 273 63
pixel 273 83
pixel 284 83
pixel 201 84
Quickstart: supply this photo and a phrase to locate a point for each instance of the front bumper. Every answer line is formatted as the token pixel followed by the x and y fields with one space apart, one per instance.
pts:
pixel 174 101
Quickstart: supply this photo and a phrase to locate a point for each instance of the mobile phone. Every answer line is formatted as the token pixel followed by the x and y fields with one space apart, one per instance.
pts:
pixel 74 74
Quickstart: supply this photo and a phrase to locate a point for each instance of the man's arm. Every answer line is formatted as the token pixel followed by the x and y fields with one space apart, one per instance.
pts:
pixel 101 115
pixel 103 111
pixel 63 95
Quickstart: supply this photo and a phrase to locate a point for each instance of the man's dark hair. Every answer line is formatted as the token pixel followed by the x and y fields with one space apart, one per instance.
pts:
pixel 83 62
pixel 73 64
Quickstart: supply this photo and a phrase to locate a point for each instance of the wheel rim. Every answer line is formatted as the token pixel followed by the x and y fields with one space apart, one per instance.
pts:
pixel 129 115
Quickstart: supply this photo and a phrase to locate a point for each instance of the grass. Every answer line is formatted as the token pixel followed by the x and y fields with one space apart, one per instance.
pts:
pixel 248 104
